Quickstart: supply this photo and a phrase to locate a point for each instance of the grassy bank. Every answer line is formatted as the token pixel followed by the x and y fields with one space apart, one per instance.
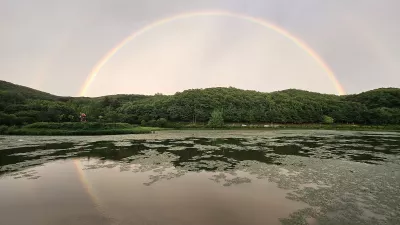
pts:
pixel 76 129
pixel 290 126
pixel 95 128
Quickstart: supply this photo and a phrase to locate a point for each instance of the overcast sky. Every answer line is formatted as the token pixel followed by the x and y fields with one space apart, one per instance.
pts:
pixel 52 45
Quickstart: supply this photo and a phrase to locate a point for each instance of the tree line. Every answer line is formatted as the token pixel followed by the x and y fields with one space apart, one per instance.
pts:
pixel 20 106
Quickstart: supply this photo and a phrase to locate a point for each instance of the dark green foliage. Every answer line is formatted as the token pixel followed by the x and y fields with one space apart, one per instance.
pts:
pixel 9 119
pixel 216 119
pixel 162 122
pixel 20 105
pixel 16 93
pixel 382 97
pixel 3 129
pixel 152 123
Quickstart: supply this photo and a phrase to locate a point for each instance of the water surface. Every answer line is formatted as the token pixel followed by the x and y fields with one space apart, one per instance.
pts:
pixel 202 177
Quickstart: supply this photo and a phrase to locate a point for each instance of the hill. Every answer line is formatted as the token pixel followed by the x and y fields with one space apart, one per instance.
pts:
pixel 21 105
pixel 382 97
pixel 13 92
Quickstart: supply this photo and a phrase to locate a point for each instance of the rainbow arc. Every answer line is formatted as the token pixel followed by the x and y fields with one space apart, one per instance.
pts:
pixel 302 45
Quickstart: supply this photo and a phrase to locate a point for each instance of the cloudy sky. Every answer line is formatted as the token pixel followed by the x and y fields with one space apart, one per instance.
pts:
pixel 53 45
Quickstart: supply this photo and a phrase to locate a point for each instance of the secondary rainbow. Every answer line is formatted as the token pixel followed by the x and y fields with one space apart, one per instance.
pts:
pixel 96 69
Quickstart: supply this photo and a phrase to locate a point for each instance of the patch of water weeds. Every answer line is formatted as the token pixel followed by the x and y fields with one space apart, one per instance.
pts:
pixel 228 179
pixel 341 187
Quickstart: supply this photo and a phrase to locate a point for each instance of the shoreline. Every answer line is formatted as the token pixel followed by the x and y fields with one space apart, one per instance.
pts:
pixel 349 127
pixel 148 130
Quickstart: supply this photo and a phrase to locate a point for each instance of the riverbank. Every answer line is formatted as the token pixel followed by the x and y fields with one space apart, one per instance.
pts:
pixel 96 128
pixel 61 129
pixel 353 127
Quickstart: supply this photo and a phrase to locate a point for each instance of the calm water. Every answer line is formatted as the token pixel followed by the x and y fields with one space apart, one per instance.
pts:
pixel 202 178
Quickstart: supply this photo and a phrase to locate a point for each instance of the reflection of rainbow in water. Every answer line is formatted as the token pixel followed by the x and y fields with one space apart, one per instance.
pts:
pixel 85 183
pixel 89 189
pixel 96 69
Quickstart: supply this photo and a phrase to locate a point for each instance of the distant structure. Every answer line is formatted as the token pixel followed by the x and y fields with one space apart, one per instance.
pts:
pixel 83 117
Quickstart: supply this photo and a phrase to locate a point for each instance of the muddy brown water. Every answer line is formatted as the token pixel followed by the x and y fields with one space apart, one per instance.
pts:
pixel 202 177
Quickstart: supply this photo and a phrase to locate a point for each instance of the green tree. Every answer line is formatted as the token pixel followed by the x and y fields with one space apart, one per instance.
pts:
pixel 8 119
pixel 162 122
pixel 112 116
pixel 151 123
pixel 105 102
pixel 71 118
pixel 217 119
pixel 327 119
pixel 3 129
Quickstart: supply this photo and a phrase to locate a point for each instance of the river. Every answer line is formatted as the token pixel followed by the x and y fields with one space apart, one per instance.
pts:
pixel 202 178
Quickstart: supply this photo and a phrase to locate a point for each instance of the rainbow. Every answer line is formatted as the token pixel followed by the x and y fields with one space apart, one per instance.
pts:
pixel 96 69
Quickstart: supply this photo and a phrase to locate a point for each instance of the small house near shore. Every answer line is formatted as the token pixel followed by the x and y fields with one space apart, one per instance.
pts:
pixel 83 117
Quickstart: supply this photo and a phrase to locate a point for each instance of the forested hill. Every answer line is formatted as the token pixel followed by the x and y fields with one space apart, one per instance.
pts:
pixel 382 97
pixel 21 105
pixel 10 91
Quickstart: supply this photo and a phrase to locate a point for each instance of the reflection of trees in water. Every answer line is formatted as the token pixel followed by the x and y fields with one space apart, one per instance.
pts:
pixel 28 174
pixel 211 154
pixel 164 176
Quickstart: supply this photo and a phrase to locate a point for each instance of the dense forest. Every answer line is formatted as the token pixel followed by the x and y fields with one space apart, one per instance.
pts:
pixel 21 105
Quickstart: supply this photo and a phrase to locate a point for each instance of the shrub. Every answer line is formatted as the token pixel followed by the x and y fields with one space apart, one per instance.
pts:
pixel 216 120
pixel 327 119
pixel 162 122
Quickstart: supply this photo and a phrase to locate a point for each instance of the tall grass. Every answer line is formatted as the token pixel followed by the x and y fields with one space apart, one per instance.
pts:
pixel 71 128
pixel 84 126
pixel 25 131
